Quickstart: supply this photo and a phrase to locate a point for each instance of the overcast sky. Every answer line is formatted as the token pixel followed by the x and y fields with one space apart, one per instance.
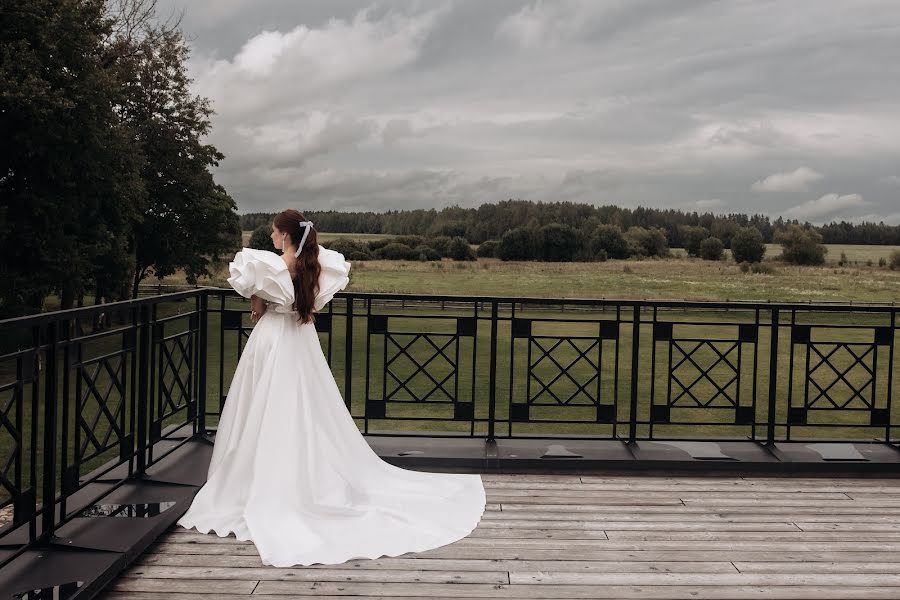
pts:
pixel 786 107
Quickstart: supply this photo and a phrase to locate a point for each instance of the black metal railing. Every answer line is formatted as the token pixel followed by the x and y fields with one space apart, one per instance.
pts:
pixel 85 399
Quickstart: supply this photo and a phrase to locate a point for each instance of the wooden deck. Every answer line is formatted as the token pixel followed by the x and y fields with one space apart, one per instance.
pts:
pixel 572 536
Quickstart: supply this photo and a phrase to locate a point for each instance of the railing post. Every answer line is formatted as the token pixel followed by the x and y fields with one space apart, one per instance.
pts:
pixel 773 379
pixel 202 360
pixel 144 346
pixel 635 348
pixel 492 391
pixel 48 520
pixel 348 356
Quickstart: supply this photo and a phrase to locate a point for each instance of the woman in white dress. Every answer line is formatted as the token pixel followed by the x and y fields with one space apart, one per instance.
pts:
pixel 290 470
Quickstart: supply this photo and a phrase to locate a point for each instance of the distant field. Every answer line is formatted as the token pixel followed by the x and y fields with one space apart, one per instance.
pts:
pixel 676 278
pixel 327 237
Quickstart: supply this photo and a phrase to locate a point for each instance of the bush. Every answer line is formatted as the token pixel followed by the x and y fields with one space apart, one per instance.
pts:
pixel 395 251
pixel 609 240
pixel 427 253
pixel 692 237
pixel 441 244
pixel 517 244
pixel 379 243
pixel 460 249
pixel 895 260
pixel 882 262
pixel 842 260
pixel 351 249
pixel 261 238
pixel 557 242
pixel 409 240
pixel 646 242
pixel 747 245
pixel 711 249
pixel 762 269
pixel 801 246
pixel 488 249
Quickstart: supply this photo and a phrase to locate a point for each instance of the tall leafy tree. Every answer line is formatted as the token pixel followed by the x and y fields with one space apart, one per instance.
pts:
pixel 188 220
pixel 65 158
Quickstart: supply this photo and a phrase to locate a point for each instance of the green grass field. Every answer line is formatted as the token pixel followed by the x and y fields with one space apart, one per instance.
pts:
pixel 675 278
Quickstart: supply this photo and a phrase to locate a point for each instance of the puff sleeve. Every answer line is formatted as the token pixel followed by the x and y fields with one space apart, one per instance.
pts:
pixel 334 277
pixel 261 273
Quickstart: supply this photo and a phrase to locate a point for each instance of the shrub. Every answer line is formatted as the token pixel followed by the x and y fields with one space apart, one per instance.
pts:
pixel 711 249
pixel 379 243
pixel 441 244
pixel 882 262
pixel 460 249
pixel 261 239
pixel 842 260
pixel 801 246
pixel 557 242
pixel 488 249
pixel 747 245
pixel 409 240
pixel 517 244
pixel 395 251
pixel 609 240
pixel 427 253
pixel 351 249
pixel 895 260
pixel 762 269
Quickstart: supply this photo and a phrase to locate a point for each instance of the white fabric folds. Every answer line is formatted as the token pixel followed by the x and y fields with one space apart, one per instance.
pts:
pixel 290 470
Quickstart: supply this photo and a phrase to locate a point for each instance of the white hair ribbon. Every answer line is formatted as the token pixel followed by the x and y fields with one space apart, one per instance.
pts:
pixel 307 225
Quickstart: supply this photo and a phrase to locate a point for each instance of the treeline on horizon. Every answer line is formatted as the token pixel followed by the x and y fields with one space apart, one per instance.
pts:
pixel 491 221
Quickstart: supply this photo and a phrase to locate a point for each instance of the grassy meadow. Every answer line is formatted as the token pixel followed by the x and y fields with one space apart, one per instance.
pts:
pixel 678 278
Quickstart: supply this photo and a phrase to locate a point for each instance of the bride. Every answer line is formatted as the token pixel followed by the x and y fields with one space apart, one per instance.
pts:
pixel 290 470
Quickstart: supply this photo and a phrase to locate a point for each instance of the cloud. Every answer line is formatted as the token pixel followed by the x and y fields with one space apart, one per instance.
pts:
pixel 827 207
pixel 389 105
pixel 797 180
pixel 709 204
pixel 890 180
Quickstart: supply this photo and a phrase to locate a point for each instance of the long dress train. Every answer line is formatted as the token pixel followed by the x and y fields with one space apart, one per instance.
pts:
pixel 290 470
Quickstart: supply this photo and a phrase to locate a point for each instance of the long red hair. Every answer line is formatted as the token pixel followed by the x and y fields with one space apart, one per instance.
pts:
pixel 306 283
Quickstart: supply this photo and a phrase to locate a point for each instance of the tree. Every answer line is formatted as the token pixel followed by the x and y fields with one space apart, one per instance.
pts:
pixel 691 237
pixel 558 243
pixel 646 242
pixel 488 249
pixel 609 240
pixel 747 245
pixel 801 245
pixel 711 249
pixel 518 244
pixel 69 181
pixel 189 220
pixel 460 249
pixel 261 238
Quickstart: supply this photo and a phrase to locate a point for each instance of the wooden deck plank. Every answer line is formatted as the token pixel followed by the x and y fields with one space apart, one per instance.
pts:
pixel 581 536
pixel 620 593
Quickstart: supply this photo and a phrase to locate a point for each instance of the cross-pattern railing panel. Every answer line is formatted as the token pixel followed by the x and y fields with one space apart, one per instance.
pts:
pixel 839 375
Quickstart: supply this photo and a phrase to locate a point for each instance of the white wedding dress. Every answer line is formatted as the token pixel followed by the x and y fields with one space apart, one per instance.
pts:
pixel 291 471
